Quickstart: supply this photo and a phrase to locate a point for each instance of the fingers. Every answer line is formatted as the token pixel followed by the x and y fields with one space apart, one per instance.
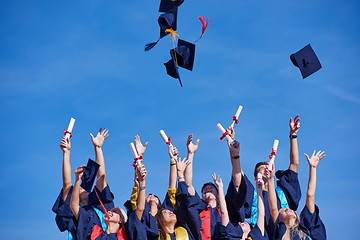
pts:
pixel 307 156
pixel 92 137
pixel 146 144
pixel 197 142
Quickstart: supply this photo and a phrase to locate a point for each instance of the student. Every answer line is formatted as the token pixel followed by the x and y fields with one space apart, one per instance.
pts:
pixel 64 216
pixel 170 226
pixel 202 214
pixel 92 213
pixel 241 230
pixel 288 224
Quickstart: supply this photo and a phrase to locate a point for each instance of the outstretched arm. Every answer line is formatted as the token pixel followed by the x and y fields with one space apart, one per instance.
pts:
pixel 234 150
pixel 294 125
pixel 274 211
pixel 192 148
pixel 313 162
pixel 141 198
pixel 98 141
pixel 75 196
pixel 260 206
pixel 222 203
pixel 173 154
pixel 140 148
pixel 65 146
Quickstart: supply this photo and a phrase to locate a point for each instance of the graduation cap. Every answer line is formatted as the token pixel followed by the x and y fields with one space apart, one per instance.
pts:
pixel 167 5
pixel 184 54
pixel 172 69
pixel 306 60
pixel 90 171
pixel 166 20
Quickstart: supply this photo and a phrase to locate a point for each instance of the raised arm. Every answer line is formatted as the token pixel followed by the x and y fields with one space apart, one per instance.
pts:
pixel 260 206
pixel 98 141
pixel 222 203
pixel 75 196
pixel 141 198
pixel 181 165
pixel 65 146
pixel 274 211
pixel 313 162
pixel 294 125
pixel 234 150
pixel 173 154
pixel 140 148
pixel 192 148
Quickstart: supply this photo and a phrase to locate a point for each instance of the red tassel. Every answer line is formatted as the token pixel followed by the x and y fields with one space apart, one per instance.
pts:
pixel 102 205
pixel 204 24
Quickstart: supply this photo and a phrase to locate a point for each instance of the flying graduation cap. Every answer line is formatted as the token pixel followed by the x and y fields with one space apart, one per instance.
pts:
pixel 172 69
pixel 90 171
pixel 166 21
pixel 167 5
pixel 306 60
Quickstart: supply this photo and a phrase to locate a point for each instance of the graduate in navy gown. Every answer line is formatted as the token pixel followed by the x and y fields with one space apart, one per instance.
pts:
pixel 64 216
pixel 288 225
pixel 170 226
pixel 202 214
pixel 241 230
pixel 99 201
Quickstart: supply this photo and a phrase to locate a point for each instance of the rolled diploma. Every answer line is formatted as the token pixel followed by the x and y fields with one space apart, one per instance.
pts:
pixel 275 147
pixel 70 127
pixel 237 114
pixel 222 130
pixel 164 137
pixel 138 161
pixel 259 176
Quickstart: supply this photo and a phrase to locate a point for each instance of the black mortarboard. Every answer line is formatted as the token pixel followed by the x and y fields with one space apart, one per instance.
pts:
pixel 167 5
pixel 90 171
pixel 167 20
pixel 185 54
pixel 306 60
pixel 172 69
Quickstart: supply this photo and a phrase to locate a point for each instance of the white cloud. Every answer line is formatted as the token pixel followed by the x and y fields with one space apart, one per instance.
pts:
pixel 336 91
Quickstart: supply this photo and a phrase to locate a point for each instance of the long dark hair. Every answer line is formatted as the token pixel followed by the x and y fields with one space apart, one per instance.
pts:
pixel 161 225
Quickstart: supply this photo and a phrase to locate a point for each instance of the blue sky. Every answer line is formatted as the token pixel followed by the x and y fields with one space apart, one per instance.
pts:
pixel 85 59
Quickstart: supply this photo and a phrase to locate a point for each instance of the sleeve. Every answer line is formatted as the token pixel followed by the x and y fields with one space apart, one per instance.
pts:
pixel 170 200
pixel 289 183
pixel 239 202
pixel 234 231
pixel 279 229
pixel 130 205
pixel 255 233
pixel 137 229
pixel 106 196
pixel 312 223
pixel 64 216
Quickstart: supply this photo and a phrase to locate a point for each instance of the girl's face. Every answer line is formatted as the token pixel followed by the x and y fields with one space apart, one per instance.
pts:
pixel 114 216
pixel 84 197
pixel 168 216
pixel 286 214
pixel 152 198
pixel 245 227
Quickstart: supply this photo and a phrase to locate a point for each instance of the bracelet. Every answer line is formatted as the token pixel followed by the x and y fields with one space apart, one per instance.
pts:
pixel 171 164
pixel 236 157
pixel 292 136
pixel 180 177
pixel 142 187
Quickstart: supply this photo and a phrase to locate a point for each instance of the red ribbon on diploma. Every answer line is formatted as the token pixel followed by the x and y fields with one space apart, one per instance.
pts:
pixel 224 135
pixel 235 120
pixel 135 159
pixel 273 153
pixel 169 141
pixel 66 131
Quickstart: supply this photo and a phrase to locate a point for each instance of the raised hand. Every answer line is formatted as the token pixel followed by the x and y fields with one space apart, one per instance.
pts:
pixel 140 148
pixel 79 172
pixel 294 125
pixel 141 174
pixel 231 132
pixel 102 134
pixel 217 180
pixel 234 148
pixel 315 158
pixel 173 152
pixel 181 166
pixel 190 146
pixel 65 144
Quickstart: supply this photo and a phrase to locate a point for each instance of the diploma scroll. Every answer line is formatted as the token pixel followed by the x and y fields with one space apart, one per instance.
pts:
pixel 236 117
pixel 224 132
pixel 273 153
pixel 69 128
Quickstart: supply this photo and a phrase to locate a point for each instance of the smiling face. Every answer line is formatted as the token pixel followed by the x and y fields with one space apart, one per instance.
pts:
pixel 115 216
pixel 209 192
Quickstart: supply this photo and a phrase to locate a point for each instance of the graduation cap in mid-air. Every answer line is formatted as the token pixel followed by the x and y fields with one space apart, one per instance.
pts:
pixel 184 54
pixel 166 21
pixel 167 5
pixel 90 171
pixel 172 69
pixel 306 60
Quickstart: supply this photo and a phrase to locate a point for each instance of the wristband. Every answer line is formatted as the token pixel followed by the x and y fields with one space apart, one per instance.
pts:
pixel 292 136
pixel 236 157
pixel 142 187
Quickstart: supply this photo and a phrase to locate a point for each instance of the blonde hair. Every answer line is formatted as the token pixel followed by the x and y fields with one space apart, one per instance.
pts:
pixel 294 230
